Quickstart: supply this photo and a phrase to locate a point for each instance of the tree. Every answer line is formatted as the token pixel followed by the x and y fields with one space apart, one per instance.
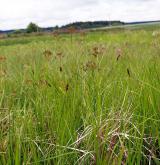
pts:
pixel 32 27
pixel 56 27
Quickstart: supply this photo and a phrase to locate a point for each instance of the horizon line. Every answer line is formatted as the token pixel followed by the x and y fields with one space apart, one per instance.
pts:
pixel 126 22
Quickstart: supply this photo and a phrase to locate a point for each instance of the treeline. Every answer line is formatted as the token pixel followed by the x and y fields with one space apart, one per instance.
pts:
pixel 94 24
pixel 32 27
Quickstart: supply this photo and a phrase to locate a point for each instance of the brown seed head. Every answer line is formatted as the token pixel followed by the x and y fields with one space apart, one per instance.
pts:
pixel 128 72
pixel 60 69
pixel 59 55
pixel 90 65
pixel 47 54
pixel 119 53
pixel 67 87
pixel 3 58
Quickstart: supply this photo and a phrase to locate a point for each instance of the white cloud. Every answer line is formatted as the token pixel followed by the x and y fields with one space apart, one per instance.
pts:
pixel 18 13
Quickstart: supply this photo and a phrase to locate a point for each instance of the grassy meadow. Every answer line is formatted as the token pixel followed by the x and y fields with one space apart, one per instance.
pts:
pixel 83 99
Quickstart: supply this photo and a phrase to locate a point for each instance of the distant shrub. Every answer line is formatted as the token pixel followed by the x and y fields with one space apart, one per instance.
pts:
pixel 18 32
pixel 32 27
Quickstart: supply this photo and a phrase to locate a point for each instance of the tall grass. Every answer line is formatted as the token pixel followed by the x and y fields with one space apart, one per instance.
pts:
pixel 95 100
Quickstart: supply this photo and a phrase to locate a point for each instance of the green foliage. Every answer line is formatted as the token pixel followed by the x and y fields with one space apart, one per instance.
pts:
pixel 56 27
pixel 32 27
pixel 89 25
pixel 18 31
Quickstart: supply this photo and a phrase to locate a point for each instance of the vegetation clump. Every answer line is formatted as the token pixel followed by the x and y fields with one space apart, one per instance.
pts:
pixel 32 27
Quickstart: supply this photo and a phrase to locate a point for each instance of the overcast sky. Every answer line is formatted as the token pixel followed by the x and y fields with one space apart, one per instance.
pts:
pixel 18 13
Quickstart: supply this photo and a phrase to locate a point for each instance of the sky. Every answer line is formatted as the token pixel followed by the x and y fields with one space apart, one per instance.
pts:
pixel 15 14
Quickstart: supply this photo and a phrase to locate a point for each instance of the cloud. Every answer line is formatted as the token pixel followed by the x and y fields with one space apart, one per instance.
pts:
pixel 18 13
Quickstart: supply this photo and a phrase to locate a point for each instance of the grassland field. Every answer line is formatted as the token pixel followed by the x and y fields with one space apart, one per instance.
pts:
pixel 81 99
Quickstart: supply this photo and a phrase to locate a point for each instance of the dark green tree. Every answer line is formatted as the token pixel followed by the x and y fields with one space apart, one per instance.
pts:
pixel 56 27
pixel 32 27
